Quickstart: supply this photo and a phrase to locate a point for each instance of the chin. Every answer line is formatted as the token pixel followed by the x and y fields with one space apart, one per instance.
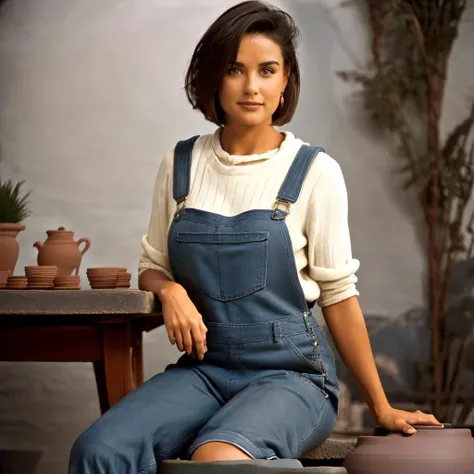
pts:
pixel 250 121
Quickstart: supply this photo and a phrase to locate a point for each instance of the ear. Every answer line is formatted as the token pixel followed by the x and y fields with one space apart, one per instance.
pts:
pixel 286 77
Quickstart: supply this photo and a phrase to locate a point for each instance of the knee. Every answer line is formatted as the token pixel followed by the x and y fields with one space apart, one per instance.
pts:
pixel 217 451
pixel 91 452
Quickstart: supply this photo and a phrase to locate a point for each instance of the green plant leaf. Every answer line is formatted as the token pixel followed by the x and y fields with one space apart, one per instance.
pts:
pixel 14 207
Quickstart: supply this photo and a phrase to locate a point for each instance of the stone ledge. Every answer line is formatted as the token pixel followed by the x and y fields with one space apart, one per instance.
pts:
pixel 60 302
pixel 333 448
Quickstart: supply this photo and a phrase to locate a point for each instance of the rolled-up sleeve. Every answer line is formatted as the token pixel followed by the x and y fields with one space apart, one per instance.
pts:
pixel 154 244
pixel 329 245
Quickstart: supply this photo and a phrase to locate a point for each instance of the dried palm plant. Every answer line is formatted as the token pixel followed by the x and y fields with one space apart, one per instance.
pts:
pixel 403 90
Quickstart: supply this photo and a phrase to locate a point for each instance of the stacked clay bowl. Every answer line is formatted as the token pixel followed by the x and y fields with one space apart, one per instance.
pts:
pixel 4 278
pixel 123 280
pixel 41 277
pixel 104 277
pixel 17 283
pixel 68 282
pixel 431 450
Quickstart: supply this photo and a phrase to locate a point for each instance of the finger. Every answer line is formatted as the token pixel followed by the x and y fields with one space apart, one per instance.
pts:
pixel 434 420
pixel 428 418
pixel 178 336
pixel 203 334
pixel 420 418
pixel 170 331
pixel 199 342
pixel 187 340
pixel 403 426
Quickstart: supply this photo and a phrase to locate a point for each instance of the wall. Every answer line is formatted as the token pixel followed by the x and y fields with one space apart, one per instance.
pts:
pixel 91 98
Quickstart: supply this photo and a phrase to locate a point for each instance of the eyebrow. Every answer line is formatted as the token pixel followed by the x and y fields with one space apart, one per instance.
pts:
pixel 267 63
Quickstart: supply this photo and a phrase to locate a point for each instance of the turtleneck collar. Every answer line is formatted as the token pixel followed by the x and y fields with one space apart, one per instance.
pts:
pixel 235 160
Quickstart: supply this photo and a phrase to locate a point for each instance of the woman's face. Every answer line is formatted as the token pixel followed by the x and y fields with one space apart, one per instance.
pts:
pixel 251 90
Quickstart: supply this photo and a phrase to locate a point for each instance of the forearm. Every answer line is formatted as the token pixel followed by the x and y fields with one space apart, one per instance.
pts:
pixel 156 282
pixel 347 327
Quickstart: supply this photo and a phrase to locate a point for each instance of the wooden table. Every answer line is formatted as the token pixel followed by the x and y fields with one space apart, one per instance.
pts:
pixel 104 327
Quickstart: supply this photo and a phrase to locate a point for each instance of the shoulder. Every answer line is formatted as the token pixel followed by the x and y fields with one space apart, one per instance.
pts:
pixel 324 169
pixel 202 143
pixel 324 183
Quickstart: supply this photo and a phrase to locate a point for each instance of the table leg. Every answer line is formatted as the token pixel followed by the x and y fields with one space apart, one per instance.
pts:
pixel 137 353
pixel 117 364
pixel 99 370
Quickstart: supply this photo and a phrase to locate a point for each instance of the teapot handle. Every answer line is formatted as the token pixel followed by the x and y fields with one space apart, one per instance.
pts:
pixel 84 250
pixel 86 247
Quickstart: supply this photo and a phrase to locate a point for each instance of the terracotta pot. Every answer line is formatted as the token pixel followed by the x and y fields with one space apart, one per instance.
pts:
pixel 62 250
pixel 106 269
pixel 9 248
pixel 432 450
pixel 67 279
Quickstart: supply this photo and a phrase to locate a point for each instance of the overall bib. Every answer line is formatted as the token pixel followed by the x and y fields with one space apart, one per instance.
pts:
pixel 268 381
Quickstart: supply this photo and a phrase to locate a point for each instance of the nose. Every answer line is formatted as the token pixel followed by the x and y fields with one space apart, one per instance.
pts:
pixel 251 85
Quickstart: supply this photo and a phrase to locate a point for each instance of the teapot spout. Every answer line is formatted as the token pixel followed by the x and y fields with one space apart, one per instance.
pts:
pixel 38 244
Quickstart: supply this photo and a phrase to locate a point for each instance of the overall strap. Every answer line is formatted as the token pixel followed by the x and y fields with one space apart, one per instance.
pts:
pixel 182 168
pixel 291 187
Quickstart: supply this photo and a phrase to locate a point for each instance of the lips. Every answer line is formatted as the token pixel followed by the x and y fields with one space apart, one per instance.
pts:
pixel 250 103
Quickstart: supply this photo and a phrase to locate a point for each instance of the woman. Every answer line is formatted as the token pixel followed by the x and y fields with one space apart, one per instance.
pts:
pixel 248 229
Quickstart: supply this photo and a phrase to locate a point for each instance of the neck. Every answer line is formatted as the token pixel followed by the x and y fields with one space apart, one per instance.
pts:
pixel 238 140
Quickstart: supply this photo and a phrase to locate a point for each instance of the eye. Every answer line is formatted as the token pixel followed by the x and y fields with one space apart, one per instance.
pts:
pixel 267 71
pixel 233 71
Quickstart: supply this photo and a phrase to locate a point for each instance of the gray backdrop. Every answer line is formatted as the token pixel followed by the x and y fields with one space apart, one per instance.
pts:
pixel 91 98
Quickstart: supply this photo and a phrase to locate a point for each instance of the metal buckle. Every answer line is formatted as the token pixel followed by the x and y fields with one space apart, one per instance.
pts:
pixel 284 203
pixel 181 202
pixel 180 205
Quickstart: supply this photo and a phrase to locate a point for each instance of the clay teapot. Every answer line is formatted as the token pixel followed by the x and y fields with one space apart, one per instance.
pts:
pixel 431 450
pixel 62 250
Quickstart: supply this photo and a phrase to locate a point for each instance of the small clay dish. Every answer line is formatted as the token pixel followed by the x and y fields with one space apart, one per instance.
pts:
pixel 100 270
pixel 67 279
pixel 41 267
pixel 41 270
pixel 38 283
pixel 67 283
pixel 123 276
pixel 16 283
pixel 33 276
pixel 40 278
pixel 103 280
pixel 20 280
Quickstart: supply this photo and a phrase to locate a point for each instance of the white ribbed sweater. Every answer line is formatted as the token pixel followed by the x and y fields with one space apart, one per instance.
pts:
pixel 229 185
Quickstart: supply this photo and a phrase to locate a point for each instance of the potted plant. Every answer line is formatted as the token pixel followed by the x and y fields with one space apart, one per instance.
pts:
pixel 13 210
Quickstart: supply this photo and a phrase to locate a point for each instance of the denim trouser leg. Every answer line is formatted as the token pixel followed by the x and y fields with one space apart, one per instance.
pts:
pixel 157 421
pixel 280 415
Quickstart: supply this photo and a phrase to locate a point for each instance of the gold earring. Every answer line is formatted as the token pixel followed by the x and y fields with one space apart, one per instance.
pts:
pixel 282 100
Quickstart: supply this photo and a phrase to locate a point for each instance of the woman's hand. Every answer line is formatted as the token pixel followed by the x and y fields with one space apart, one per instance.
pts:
pixel 183 322
pixel 400 420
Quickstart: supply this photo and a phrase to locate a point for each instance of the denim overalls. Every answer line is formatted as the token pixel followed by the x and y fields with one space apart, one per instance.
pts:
pixel 268 381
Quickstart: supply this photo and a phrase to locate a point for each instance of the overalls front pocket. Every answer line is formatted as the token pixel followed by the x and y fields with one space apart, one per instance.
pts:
pixel 226 266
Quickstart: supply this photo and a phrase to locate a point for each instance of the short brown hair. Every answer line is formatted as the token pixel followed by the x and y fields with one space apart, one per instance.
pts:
pixel 218 49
